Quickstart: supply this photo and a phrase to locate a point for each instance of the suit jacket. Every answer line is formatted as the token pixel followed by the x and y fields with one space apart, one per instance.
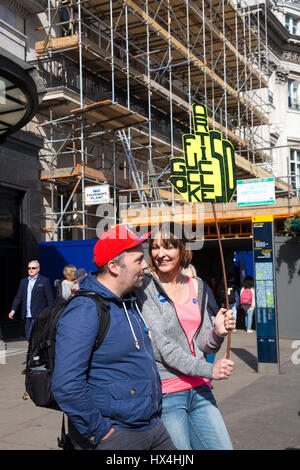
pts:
pixel 41 296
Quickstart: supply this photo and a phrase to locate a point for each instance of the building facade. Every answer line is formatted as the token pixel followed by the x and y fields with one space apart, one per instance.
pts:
pixel 120 79
pixel 20 185
pixel 284 42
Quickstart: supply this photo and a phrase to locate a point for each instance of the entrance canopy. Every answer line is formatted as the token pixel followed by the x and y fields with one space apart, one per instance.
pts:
pixel 21 91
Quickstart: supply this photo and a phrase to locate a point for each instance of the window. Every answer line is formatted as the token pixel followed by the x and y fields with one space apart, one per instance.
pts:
pixel 12 27
pixel 270 96
pixel 8 16
pixel 291 24
pixel 295 170
pixel 294 94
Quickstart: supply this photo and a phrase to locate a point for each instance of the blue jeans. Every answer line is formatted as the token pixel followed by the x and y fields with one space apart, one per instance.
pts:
pixel 194 421
pixel 234 310
pixel 28 327
pixel 248 318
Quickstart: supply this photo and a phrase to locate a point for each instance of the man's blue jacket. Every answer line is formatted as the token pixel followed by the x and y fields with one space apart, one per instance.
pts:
pixel 41 296
pixel 118 385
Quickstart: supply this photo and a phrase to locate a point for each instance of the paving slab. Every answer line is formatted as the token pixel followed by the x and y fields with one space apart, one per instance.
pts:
pixel 261 411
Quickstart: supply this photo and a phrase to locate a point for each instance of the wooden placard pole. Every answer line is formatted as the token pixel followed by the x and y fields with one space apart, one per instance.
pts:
pixel 224 276
pixel 205 173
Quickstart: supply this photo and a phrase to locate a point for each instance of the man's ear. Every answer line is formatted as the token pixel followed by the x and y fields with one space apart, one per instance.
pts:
pixel 113 267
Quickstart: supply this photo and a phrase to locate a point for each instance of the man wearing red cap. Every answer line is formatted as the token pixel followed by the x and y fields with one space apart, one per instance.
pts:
pixel 112 396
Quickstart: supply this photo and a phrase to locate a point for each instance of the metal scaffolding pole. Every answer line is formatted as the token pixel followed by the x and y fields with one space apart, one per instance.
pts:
pixel 148 80
pixel 237 75
pixel 157 57
pixel 224 68
pixel 81 122
pixel 189 64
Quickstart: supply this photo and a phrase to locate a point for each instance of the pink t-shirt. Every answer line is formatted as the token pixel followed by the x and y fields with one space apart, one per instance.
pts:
pixel 189 316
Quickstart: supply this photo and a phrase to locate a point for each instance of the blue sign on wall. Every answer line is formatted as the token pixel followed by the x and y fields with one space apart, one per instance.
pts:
pixel 265 296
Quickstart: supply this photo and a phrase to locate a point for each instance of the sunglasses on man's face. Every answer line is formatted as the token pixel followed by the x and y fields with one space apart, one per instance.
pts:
pixel 32 268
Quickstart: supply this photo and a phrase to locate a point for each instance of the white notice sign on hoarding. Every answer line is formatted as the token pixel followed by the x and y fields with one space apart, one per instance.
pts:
pixel 97 194
pixel 255 192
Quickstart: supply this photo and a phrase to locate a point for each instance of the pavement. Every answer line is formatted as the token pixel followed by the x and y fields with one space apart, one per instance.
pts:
pixel 261 410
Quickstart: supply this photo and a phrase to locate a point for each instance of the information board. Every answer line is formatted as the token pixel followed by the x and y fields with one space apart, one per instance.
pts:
pixel 256 192
pixel 265 298
pixel 96 194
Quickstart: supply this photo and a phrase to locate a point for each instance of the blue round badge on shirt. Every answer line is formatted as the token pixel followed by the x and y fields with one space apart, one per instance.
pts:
pixel 194 301
pixel 161 298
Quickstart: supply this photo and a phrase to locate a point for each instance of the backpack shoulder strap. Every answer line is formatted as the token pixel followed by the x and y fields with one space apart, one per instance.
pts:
pixel 103 310
pixel 204 294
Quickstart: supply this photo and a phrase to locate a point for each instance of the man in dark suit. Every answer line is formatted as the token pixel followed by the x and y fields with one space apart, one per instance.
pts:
pixel 34 294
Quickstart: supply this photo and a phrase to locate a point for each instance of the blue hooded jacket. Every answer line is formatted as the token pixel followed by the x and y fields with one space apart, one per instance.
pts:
pixel 116 386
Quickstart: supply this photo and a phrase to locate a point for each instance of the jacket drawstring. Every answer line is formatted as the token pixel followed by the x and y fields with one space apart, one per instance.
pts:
pixel 136 342
pixel 148 330
pixel 132 330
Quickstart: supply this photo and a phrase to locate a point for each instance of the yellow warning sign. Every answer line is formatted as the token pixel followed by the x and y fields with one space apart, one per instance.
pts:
pixel 206 172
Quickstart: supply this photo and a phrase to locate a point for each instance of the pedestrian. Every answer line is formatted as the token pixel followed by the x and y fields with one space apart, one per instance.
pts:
pixel 214 286
pixel 247 301
pixel 185 325
pixel 232 292
pixel 112 396
pixel 189 270
pixel 34 294
pixel 64 286
pixel 79 274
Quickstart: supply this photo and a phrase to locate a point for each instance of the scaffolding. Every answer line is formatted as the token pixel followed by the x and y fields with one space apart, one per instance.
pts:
pixel 122 76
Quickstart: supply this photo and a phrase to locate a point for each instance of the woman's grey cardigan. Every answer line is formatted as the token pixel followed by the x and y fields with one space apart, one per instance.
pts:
pixel 171 347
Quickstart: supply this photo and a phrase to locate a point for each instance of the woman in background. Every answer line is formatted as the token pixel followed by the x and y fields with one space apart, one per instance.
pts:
pixel 247 301
pixel 65 286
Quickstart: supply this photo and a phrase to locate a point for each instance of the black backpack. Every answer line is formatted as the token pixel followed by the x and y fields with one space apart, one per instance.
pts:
pixel 41 348
pixel 230 292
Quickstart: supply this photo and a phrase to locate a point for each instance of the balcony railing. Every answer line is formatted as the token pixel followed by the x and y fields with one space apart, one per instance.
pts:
pixel 60 71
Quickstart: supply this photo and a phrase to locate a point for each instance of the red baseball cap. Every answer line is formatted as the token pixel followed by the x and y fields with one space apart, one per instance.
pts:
pixel 114 241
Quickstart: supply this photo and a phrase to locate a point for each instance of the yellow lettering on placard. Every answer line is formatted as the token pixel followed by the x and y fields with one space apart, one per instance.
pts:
pixel 206 172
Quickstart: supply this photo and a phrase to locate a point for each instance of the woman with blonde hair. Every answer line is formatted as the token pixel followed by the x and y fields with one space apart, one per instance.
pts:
pixel 185 324
pixel 65 286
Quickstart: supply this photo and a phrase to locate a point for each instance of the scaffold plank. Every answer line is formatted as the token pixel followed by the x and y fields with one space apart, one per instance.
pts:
pixel 142 216
pixel 110 115
pixel 73 172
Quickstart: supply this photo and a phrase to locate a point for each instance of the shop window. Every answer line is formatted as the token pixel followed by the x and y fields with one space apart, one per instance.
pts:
pixel 295 170
pixel 10 208
pixel 291 24
pixel 10 249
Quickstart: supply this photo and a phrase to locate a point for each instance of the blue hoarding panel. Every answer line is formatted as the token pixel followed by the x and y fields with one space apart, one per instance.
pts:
pixel 243 264
pixel 54 256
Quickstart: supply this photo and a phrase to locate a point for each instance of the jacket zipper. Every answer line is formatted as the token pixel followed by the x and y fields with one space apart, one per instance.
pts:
pixel 148 354
pixel 171 302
